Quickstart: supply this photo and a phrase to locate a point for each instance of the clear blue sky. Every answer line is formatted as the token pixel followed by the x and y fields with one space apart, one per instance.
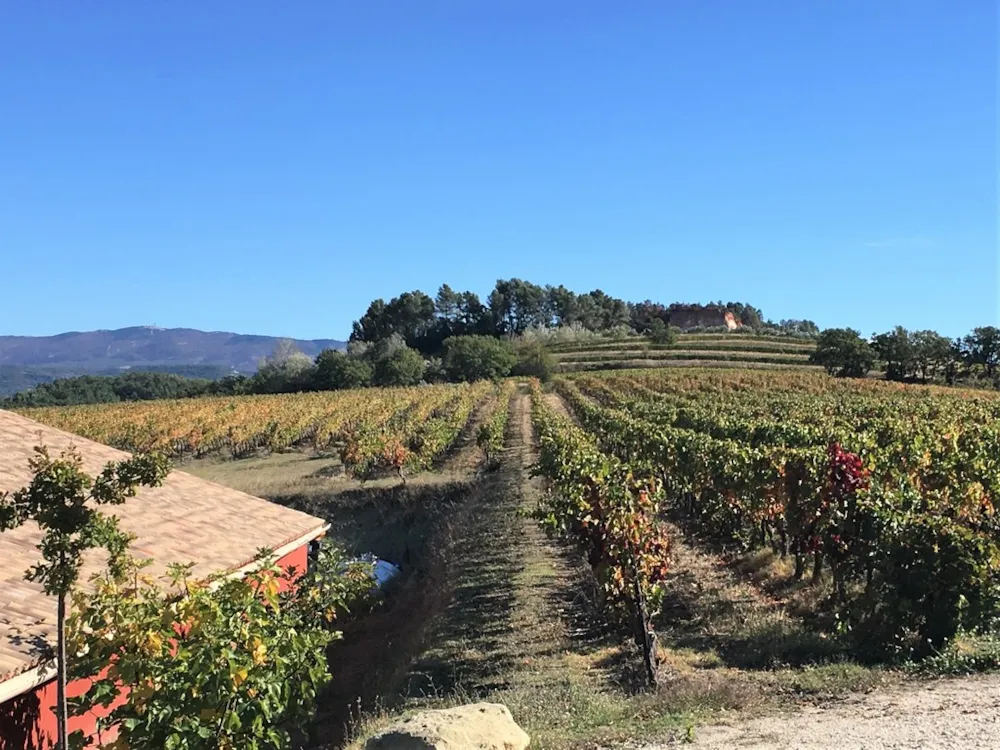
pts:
pixel 271 167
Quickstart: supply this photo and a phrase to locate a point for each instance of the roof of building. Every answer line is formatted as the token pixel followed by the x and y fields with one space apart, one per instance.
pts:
pixel 186 520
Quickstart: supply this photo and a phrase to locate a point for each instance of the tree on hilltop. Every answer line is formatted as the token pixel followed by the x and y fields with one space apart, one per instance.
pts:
pixel 842 352
pixel 895 348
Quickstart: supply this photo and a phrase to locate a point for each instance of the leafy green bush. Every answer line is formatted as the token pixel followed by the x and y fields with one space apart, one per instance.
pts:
pixel 471 358
pixel 534 361
pixel 661 334
pixel 967 653
pixel 402 366
pixel 336 370
pixel 232 662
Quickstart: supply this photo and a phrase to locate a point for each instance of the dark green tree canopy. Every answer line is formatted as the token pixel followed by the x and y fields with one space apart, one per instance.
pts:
pixel 335 371
pixel 98 389
pixel 643 314
pixel 895 349
pixel 932 353
pixel 982 347
pixel 842 352
pixel 398 366
pixel 413 315
pixel 471 358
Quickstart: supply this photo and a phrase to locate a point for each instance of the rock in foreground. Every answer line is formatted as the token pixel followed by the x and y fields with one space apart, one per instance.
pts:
pixel 479 726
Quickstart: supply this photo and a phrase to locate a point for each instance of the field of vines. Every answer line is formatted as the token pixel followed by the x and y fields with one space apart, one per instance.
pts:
pixel 375 431
pixel 886 492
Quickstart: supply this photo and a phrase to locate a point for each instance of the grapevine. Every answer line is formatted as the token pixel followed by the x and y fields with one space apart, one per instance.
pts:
pixel 868 482
pixel 612 514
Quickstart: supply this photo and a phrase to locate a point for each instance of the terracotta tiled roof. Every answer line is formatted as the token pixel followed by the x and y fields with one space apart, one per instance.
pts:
pixel 186 520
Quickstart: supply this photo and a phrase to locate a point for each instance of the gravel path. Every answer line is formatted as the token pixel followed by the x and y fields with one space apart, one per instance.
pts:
pixel 953 714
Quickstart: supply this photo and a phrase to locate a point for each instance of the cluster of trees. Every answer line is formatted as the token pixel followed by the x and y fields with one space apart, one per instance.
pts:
pixel 912 355
pixel 101 389
pixel 390 362
pixel 513 307
pixel 383 363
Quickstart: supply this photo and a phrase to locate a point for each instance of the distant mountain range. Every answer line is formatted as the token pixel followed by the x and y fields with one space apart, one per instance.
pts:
pixel 26 361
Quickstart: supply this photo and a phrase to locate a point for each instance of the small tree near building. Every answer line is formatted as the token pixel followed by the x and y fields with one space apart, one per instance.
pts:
pixel 661 334
pixel 232 662
pixel 63 500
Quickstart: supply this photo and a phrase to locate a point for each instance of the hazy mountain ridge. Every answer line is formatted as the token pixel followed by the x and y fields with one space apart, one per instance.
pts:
pixel 29 360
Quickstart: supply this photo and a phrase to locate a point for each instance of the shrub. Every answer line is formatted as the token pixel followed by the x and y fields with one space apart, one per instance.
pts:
pixel 287 370
pixel 661 334
pixel 620 332
pixel 534 361
pixel 231 662
pixel 434 371
pixel 336 370
pixel 470 358
pixel 402 366
pixel 574 332
pixel 940 579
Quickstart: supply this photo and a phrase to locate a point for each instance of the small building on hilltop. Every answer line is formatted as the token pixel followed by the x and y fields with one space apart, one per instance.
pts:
pixel 188 519
pixel 702 316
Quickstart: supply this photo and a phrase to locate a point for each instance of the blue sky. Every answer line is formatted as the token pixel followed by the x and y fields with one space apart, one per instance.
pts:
pixel 270 168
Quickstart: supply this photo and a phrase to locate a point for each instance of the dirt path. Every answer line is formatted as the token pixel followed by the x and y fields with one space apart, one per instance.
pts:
pixel 489 633
pixel 521 628
pixel 466 457
pixel 947 714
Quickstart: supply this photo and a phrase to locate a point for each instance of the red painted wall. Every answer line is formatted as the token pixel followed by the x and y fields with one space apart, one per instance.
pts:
pixel 28 722
pixel 297 560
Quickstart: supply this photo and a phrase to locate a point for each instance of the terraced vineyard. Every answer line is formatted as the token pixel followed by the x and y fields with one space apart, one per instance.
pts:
pixel 886 489
pixel 694 349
